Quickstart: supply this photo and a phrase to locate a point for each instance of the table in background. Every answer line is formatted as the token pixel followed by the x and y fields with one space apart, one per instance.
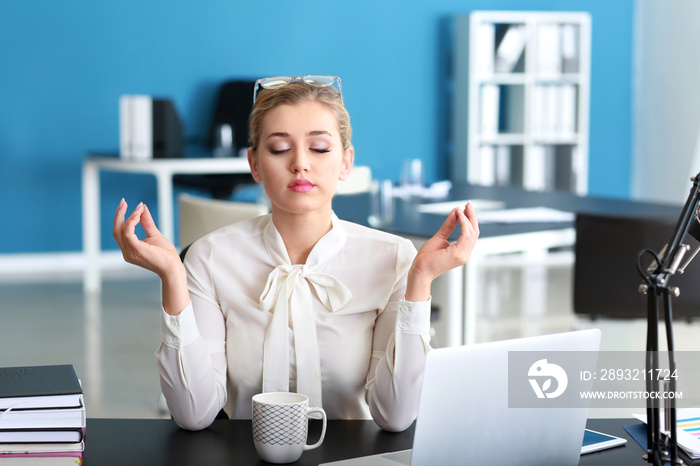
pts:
pixel 161 442
pixel 455 293
pixel 163 169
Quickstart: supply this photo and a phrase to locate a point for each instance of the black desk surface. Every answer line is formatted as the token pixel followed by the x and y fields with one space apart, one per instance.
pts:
pixel 161 442
pixel 410 222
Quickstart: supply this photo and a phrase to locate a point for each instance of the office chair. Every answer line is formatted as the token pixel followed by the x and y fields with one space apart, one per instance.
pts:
pixel 234 103
pixel 199 216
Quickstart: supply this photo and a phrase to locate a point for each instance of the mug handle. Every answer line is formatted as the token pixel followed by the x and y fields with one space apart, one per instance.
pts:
pixel 323 429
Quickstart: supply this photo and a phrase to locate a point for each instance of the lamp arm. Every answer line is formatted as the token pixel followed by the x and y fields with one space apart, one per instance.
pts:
pixel 666 267
pixel 656 280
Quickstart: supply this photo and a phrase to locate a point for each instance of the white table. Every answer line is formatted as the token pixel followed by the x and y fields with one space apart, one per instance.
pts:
pixel 163 170
pixel 534 248
pixel 456 291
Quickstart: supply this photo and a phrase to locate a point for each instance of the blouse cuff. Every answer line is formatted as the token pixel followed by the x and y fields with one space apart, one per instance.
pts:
pixel 180 330
pixel 413 317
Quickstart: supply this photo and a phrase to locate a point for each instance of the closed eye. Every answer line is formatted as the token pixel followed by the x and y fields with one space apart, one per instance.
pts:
pixel 278 151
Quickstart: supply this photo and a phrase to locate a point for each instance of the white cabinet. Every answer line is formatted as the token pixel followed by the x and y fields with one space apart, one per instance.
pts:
pixel 521 99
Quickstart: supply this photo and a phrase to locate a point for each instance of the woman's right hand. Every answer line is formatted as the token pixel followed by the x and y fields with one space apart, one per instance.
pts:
pixel 155 253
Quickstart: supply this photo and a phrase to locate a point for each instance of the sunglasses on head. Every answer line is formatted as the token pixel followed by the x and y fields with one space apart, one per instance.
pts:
pixel 313 80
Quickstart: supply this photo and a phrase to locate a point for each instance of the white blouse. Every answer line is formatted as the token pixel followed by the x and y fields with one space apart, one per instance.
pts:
pixel 336 328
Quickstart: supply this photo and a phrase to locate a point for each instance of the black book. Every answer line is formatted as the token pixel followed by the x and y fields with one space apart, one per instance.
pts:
pixel 39 387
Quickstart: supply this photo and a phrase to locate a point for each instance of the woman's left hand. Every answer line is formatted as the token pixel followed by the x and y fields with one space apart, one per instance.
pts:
pixel 438 255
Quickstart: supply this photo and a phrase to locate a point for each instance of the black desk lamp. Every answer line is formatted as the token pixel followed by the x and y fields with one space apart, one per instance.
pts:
pixel 656 277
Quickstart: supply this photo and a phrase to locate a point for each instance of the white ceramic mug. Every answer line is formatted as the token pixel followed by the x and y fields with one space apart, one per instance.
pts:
pixel 281 426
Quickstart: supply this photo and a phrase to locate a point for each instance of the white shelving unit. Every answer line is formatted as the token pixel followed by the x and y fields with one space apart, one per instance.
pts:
pixel 521 99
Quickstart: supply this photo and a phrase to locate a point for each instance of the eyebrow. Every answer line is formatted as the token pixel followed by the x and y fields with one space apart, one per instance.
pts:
pixel 320 133
pixel 284 134
pixel 280 134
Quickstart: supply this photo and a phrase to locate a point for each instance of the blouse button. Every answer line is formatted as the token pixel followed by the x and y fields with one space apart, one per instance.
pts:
pixel 176 341
pixel 404 309
pixel 173 322
pixel 404 325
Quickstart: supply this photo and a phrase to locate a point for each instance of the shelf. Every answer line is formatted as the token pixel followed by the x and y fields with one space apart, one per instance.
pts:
pixel 521 95
pixel 503 78
pixel 503 139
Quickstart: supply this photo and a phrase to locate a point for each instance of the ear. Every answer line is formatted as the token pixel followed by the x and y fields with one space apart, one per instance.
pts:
pixel 348 159
pixel 253 163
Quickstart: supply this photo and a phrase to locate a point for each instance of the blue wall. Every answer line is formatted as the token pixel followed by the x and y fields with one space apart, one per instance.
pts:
pixel 63 66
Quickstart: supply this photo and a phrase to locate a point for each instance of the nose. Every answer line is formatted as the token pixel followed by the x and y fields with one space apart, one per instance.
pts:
pixel 300 162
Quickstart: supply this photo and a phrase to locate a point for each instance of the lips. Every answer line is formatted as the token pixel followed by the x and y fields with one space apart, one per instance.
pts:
pixel 301 185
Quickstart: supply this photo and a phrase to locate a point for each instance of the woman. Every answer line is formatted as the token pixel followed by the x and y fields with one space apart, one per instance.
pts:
pixel 296 300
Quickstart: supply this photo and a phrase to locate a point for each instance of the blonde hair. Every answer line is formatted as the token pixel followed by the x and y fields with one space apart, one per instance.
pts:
pixel 296 93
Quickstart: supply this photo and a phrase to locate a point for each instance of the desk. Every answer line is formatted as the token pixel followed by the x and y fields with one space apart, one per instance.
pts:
pixel 161 442
pixel 163 170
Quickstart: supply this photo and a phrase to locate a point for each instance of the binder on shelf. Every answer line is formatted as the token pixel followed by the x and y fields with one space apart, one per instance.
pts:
pixel 548 48
pixel 544 111
pixel 567 110
pixel 578 168
pixel 551 166
pixel 549 110
pixel 149 128
pixel 141 127
pixel 512 109
pixel 503 165
pixel 510 48
pixel 569 48
pixel 536 115
pixel 564 177
pixel 490 102
pixel 535 169
pixel 487 165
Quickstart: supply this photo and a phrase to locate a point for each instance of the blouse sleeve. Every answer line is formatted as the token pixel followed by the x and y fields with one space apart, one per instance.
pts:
pixel 191 357
pixel 401 341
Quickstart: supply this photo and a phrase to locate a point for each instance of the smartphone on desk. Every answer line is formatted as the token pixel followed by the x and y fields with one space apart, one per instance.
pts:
pixel 596 441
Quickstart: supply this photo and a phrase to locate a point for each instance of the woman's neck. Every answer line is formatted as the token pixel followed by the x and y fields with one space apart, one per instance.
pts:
pixel 301 232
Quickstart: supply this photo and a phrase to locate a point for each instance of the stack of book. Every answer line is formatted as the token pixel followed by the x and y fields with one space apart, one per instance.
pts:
pixel 42 416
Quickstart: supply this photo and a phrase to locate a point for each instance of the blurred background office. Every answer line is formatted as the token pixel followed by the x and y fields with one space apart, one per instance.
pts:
pixel 65 64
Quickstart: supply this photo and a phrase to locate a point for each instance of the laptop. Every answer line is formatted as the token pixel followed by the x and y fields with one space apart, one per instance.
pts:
pixel 464 415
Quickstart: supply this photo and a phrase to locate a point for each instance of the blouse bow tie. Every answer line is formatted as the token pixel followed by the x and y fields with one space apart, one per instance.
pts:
pixel 288 292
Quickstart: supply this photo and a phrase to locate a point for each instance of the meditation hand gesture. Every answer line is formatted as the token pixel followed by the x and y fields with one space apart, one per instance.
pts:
pixel 155 253
pixel 438 255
